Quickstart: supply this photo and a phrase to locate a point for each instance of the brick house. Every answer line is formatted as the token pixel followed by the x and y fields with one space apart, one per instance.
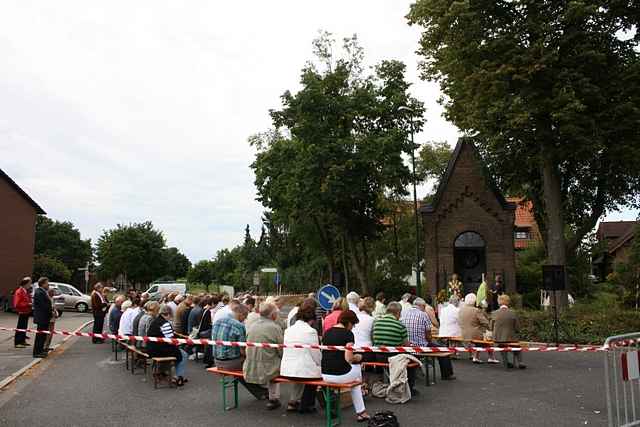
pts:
pixel 526 232
pixel 616 238
pixel 17 233
pixel 469 226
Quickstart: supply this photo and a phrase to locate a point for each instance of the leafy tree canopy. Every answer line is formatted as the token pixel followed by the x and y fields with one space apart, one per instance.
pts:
pixel 338 149
pixel 551 91
pixel 135 250
pixel 62 241
pixel 54 269
pixel 177 264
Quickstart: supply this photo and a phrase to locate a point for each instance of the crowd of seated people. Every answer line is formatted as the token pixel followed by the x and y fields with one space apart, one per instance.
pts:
pixel 353 321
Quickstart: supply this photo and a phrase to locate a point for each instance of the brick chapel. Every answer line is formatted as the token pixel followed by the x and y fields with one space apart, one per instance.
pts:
pixel 469 226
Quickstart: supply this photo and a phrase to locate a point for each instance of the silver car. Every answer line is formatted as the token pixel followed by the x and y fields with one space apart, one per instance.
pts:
pixel 73 298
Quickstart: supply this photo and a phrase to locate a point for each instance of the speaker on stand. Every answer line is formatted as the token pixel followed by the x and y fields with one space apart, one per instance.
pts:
pixel 554 280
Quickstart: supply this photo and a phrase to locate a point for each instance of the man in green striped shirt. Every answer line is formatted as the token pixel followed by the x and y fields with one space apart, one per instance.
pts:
pixel 390 331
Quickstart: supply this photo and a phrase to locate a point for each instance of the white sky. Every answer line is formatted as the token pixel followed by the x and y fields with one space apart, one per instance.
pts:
pixel 117 112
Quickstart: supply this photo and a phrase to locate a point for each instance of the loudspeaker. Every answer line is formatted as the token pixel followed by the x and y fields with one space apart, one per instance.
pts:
pixel 553 278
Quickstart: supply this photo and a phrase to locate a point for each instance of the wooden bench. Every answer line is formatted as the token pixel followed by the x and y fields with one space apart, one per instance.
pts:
pixel 135 355
pixel 331 397
pixel 159 365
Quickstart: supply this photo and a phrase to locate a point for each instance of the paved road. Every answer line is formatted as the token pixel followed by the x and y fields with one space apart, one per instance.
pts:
pixel 12 359
pixel 83 386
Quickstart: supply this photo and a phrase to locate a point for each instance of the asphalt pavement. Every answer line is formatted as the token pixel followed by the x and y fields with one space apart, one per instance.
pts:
pixel 12 359
pixel 83 386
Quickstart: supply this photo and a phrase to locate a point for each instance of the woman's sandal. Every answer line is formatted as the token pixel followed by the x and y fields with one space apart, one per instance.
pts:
pixel 363 417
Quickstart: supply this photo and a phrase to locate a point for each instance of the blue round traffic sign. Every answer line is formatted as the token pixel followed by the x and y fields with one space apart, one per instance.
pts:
pixel 327 295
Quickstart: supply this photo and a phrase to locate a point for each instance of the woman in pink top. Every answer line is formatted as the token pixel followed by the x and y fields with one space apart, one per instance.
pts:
pixel 332 318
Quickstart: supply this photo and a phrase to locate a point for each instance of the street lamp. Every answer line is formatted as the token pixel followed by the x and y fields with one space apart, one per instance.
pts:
pixel 415 201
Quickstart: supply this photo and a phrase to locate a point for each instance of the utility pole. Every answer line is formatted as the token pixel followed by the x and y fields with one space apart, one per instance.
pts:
pixel 415 204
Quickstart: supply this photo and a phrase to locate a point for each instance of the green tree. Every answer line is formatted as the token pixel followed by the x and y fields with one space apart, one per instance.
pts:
pixel 62 241
pixel 54 269
pixel 177 264
pixel 337 152
pixel 202 272
pixel 551 92
pixel 135 250
pixel 432 160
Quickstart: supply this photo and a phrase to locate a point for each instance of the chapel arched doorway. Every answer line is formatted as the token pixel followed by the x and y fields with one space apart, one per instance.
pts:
pixel 470 259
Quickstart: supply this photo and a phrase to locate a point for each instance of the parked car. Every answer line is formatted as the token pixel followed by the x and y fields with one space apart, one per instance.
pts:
pixel 157 290
pixel 58 301
pixel 73 298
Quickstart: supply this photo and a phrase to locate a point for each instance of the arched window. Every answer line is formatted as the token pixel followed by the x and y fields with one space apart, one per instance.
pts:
pixel 469 239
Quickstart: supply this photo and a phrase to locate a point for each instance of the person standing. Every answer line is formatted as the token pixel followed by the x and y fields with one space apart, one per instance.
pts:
pixel 99 307
pixel 495 290
pixel 22 305
pixel 52 327
pixel 42 312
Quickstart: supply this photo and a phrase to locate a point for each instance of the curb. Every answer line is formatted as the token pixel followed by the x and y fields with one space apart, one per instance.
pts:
pixel 13 377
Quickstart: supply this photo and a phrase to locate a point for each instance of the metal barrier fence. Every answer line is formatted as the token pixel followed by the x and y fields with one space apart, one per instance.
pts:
pixel 622 379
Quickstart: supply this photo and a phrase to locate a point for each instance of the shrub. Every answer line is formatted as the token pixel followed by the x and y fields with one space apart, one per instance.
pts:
pixel 585 323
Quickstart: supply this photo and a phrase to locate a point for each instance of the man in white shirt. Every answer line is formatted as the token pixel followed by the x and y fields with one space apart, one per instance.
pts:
pixel 129 312
pixel 173 305
pixel 353 299
pixel 225 311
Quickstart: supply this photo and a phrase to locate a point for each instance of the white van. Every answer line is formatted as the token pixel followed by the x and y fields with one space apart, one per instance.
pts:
pixel 157 290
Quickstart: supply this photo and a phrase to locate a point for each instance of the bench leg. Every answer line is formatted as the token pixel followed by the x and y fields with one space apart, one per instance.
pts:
pixel 426 372
pixel 225 386
pixel 332 398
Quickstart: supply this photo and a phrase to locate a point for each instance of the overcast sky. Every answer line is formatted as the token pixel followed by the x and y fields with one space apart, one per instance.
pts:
pixel 118 112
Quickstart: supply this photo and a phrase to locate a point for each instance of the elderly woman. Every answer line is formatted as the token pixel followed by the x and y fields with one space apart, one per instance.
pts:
pixel 473 324
pixel 262 365
pixel 151 309
pixel 161 327
pixel 332 318
pixel 302 362
pixel 449 320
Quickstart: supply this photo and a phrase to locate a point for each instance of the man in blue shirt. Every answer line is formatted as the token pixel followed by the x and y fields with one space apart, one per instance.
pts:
pixel 419 329
pixel 231 358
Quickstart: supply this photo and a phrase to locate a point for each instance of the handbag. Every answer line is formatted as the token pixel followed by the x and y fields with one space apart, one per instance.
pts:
pixel 195 332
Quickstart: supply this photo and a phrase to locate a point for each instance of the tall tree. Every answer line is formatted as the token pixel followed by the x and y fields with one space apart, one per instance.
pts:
pixel 551 91
pixel 177 264
pixel 338 151
pixel 202 272
pixel 62 241
pixel 135 250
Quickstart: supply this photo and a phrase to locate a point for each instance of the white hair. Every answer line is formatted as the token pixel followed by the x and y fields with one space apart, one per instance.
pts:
pixel 470 299
pixel 353 297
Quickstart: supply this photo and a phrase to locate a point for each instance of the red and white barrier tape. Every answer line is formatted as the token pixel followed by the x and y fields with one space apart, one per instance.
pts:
pixel 373 349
